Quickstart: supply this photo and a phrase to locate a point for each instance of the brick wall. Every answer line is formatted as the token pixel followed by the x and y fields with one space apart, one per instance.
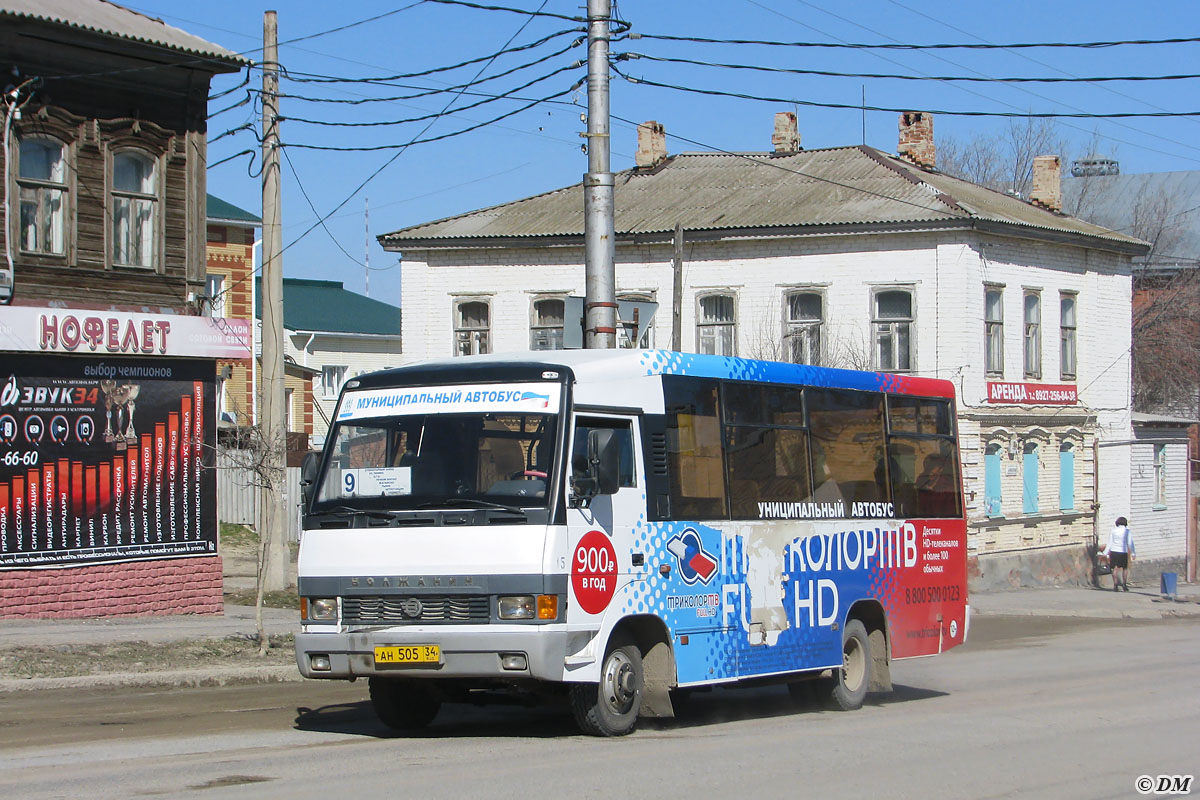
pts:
pixel 138 588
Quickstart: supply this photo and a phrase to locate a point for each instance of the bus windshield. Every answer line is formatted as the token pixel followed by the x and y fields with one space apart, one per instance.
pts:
pixel 402 448
pixel 429 460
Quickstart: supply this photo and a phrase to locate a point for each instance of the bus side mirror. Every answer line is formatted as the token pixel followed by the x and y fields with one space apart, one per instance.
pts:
pixel 597 470
pixel 604 453
pixel 308 474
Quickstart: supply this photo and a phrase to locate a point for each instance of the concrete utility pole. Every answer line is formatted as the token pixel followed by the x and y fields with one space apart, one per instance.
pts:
pixel 273 424
pixel 600 294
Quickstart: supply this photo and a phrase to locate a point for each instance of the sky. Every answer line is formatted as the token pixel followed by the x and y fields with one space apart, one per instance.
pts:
pixel 538 148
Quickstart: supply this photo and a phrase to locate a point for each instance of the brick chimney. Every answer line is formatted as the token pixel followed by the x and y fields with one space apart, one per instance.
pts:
pixel 1047 183
pixel 786 137
pixel 916 139
pixel 652 145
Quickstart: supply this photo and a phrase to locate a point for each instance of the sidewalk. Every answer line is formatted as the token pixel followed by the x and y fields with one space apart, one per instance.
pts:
pixel 1140 602
pixel 238 621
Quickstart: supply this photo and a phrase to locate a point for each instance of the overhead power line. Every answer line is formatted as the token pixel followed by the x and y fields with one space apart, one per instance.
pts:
pixel 402 146
pixel 477 104
pixel 309 77
pixel 893 76
pixel 905 46
pixel 426 92
pixel 943 112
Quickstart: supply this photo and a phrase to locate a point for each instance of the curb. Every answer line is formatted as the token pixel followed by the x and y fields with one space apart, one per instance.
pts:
pixel 216 676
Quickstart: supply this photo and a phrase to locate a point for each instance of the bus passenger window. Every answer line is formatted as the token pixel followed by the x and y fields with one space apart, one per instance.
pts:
pixel 847 439
pixel 694 460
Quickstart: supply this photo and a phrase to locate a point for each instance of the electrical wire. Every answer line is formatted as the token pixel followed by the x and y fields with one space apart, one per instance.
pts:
pixel 427 140
pixel 425 91
pixel 942 112
pixel 485 101
pixel 903 46
pixel 308 199
pixel 967 78
pixel 310 77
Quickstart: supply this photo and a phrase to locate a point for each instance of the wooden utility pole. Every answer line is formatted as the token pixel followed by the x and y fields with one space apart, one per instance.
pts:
pixel 273 424
pixel 677 291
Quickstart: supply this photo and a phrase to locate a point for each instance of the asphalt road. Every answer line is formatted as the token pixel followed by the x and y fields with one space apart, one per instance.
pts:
pixel 1032 707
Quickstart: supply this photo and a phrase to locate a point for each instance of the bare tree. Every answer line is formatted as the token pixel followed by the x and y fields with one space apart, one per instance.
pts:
pixel 1003 160
pixel 249 452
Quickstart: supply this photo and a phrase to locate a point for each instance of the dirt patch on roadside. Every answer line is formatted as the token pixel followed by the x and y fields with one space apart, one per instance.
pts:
pixel 134 657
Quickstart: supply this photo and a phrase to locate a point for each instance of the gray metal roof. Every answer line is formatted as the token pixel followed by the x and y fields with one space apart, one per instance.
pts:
pixel 760 193
pixel 110 19
pixel 1115 201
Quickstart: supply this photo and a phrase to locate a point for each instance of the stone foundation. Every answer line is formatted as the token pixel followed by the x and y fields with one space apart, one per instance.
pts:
pixel 1068 565
pixel 136 588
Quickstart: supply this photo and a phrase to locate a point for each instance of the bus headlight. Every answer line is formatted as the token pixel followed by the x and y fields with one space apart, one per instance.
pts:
pixel 318 608
pixel 542 606
pixel 520 607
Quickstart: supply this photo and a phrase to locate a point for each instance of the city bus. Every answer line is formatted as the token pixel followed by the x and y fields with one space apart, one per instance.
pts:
pixel 617 528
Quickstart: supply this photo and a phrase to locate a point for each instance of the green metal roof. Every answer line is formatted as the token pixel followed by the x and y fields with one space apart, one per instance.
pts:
pixel 326 307
pixel 218 210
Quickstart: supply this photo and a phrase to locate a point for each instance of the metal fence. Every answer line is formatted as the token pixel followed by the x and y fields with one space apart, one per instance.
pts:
pixel 238 496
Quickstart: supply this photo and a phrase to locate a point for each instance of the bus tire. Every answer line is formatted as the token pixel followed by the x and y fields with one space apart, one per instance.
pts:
pixel 851 681
pixel 403 705
pixel 610 708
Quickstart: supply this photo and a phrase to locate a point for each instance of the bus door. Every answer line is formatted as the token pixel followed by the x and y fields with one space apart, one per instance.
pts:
pixel 607 538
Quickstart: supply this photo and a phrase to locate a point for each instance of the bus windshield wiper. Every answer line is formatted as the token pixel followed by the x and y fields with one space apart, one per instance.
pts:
pixel 450 502
pixel 358 512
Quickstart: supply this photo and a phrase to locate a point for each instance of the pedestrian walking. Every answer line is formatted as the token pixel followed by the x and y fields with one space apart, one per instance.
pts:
pixel 1120 552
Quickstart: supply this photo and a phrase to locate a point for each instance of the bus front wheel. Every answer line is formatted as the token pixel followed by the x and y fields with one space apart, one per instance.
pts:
pixel 610 708
pixel 403 705
pixel 851 681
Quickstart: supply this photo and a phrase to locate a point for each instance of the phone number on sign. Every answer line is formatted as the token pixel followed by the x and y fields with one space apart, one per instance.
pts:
pixel 19 458
pixel 933 594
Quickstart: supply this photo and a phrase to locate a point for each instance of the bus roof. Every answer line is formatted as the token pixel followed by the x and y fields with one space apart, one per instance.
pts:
pixel 600 375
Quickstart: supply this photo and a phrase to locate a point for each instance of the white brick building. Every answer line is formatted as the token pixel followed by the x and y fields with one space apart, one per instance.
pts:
pixel 846 257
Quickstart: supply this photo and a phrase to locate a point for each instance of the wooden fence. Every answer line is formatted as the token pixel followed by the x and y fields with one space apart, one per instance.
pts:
pixel 237 494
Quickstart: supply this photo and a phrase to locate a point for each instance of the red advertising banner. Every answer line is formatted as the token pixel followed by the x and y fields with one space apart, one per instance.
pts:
pixel 105 461
pixel 1033 394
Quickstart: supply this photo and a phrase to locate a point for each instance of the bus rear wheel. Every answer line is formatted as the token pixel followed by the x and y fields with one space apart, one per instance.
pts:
pixel 851 681
pixel 403 705
pixel 611 707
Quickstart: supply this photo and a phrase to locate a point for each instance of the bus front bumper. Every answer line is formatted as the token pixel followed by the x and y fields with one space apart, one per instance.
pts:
pixel 468 651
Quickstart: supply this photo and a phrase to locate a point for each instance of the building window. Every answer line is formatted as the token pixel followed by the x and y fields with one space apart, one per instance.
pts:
pixel 1029 465
pixel 546 328
pixel 1033 335
pixel 992 493
pixel 802 327
pixel 893 326
pixel 1066 476
pixel 627 328
pixel 1066 323
pixel 134 200
pixel 993 327
pixel 472 324
pixel 717 327
pixel 332 378
pixel 1160 476
pixel 287 406
pixel 42 179
pixel 214 290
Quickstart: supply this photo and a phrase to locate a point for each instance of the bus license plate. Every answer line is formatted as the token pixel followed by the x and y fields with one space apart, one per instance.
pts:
pixel 409 654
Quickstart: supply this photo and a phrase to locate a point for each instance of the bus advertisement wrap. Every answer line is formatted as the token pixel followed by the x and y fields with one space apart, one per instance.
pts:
pixel 780 589
pixel 105 460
